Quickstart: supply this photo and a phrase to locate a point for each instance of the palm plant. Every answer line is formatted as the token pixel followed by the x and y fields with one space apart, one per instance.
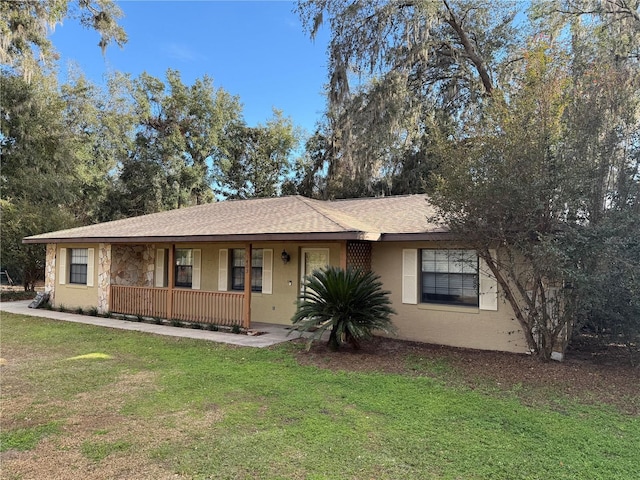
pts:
pixel 350 302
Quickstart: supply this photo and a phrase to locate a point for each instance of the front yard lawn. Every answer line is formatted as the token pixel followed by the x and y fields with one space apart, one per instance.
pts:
pixel 87 402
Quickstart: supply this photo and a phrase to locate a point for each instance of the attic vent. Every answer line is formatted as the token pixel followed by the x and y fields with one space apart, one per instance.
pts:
pixel 359 255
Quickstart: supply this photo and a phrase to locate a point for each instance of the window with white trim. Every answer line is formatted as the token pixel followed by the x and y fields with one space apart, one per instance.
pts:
pixel 237 269
pixel 449 277
pixel 184 267
pixel 78 266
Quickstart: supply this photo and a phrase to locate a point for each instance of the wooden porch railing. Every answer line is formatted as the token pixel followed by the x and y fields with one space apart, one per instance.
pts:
pixel 219 308
pixel 147 302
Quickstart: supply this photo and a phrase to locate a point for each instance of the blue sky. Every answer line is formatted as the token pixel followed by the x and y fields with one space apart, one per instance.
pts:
pixel 254 49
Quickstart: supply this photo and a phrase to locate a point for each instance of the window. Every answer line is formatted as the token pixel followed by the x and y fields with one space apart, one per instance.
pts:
pixel 78 266
pixel 184 267
pixel 449 277
pixel 237 269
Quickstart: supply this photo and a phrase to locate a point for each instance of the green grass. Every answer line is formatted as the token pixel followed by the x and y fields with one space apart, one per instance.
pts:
pixel 218 411
pixel 98 451
pixel 26 438
pixel 429 366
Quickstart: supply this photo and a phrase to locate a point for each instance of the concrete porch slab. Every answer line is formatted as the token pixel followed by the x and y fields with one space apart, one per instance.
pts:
pixel 271 334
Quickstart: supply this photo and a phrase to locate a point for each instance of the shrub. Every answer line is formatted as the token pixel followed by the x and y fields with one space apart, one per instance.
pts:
pixel 93 311
pixel 158 320
pixel 213 327
pixel 79 311
pixel 236 328
pixel 176 323
pixel 10 296
pixel 351 303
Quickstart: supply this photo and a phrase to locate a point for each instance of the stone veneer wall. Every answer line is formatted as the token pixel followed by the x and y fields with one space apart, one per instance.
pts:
pixel 132 265
pixel 104 276
pixel 50 272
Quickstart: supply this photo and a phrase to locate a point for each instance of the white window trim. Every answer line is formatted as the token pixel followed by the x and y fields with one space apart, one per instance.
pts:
pixel 196 269
pixel 267 271
pixel 62 270
pixel 488 285
pixel 223 269
pixel 90 266
pixel 410 276
pixel 487 288
pixel 159 280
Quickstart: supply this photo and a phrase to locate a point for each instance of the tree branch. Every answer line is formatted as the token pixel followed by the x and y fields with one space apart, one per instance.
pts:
pixel 477 61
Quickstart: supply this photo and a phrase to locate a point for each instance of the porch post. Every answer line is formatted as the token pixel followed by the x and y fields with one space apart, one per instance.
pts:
pixel 170 282
pixel 104 277
pixel 246 320
pixel 50 272
pixel 343 254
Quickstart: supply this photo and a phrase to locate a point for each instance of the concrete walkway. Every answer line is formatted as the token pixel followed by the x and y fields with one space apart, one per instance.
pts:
pixel 271 334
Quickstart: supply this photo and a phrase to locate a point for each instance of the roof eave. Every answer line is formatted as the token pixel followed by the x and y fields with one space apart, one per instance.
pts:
pixel 265 237
pixel 424 236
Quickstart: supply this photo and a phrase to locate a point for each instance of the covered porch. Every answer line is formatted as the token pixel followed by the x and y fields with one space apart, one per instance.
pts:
pixel 143 280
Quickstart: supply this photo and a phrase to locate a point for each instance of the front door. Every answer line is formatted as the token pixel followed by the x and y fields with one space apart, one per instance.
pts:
pixel 312 259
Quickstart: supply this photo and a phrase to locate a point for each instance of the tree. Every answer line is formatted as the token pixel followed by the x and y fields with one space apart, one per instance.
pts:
pixel 38 171
pixel 530 129
pixel 20 219
pixel 543 180
pixel 99 125
pixel 607 302
pixel 36 150
pixel 409 60
pixel 52 173
pixel 349 302
pixel 255 161
pixel 504 186
pixel 178 130
pixel 26 24
pixel 603 141
pixel 59 147
pixel 619 20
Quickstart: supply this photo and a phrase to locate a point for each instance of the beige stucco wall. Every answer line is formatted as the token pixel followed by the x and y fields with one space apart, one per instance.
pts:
pixel 71 295
pixel 279 306
pixel 457 326
pixel 134 265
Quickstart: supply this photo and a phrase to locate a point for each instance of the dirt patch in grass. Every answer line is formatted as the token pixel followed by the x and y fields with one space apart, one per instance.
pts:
pixel 588 374
pixel 92 422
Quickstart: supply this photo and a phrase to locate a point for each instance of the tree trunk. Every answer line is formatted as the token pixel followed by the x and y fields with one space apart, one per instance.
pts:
pixel 477 61
pixel 506 288
pixel 333 343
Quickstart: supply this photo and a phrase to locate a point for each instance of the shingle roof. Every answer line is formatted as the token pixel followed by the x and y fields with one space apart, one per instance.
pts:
pixel 265 219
